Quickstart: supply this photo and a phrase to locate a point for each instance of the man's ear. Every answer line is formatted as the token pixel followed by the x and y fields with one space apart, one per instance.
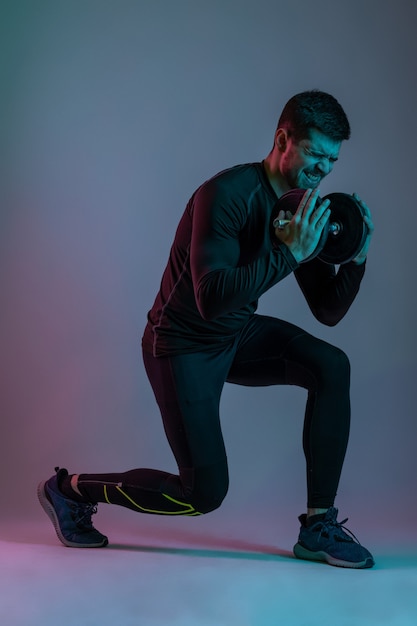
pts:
pixel 281 139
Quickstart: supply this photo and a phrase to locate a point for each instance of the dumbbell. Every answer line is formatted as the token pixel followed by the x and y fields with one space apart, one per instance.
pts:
pixel 344 233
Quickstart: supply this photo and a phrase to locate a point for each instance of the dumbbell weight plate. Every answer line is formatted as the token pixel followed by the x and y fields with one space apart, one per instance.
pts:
pixel 347 243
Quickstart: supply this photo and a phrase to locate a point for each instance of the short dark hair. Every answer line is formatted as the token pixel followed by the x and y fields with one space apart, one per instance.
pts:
pixel 314 109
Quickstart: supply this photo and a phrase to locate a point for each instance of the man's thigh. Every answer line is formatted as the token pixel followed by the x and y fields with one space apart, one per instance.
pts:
pixel 262 355
pixel 187 388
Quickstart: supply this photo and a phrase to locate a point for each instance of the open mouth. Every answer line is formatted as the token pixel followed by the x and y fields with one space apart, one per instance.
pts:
pixel 312 179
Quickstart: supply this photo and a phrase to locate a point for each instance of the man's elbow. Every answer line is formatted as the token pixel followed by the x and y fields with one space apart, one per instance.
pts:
pixel 209 304
pixel 328 318
pixel 207 308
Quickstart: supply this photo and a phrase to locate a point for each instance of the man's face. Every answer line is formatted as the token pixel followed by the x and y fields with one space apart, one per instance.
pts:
pixel 306 162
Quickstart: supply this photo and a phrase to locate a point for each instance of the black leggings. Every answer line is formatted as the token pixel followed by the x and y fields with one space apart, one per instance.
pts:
pixel 188 387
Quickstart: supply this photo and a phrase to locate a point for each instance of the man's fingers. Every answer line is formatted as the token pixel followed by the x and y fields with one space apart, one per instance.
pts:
pixel 304 202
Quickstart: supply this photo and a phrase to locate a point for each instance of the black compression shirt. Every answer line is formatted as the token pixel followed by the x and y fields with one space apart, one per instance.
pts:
pixel 223 259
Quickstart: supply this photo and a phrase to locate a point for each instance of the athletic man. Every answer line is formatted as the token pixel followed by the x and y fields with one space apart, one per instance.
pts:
pixel 203 331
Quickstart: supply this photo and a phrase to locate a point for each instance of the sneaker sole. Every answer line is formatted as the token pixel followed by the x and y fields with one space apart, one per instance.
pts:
pixel 50 511
pixel 302 553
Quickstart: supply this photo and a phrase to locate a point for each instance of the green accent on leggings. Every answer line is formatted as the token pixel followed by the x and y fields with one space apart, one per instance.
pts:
pixel 187 510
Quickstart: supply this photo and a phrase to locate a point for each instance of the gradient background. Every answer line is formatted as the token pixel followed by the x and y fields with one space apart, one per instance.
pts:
pixel 112 113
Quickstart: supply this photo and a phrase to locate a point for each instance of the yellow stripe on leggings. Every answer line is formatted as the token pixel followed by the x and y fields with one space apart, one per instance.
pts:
pixel 189 509
pixel 105 495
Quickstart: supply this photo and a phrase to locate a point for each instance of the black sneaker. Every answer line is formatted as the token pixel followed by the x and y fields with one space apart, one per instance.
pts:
pixel 326 540
pixel 71 519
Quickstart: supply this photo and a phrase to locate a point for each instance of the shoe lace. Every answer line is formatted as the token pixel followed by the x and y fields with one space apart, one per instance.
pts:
pixel 82 514
pixel 332 525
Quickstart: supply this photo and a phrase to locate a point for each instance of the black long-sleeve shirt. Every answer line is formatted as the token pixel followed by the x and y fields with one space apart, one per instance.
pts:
pixel 224 257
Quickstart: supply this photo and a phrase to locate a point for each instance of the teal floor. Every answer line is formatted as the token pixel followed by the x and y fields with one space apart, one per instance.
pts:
pixel 184 578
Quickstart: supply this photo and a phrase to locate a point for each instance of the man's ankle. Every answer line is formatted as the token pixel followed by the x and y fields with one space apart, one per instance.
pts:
pixel 316 511
pixel 69 488
pixel 74 485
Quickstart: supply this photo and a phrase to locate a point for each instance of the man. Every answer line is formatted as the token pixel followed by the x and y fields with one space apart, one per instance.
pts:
pixel 203 331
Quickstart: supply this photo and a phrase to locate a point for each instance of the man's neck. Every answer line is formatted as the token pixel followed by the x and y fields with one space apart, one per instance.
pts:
pixel 276 180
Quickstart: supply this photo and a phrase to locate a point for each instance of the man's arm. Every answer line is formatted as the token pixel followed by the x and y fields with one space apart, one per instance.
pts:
pixel 329 294
pixel 222 282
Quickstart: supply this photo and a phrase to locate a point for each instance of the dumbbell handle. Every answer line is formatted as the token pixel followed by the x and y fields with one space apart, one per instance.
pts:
pixel 334 227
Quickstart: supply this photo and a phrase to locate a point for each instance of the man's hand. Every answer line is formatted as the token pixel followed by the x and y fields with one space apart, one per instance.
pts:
pixel 367 218
pixel 303 231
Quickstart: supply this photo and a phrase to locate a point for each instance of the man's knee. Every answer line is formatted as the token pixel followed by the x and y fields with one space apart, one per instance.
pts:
pixel 340 361
pixel 210 501
pixel 334 364
pixel 209 488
